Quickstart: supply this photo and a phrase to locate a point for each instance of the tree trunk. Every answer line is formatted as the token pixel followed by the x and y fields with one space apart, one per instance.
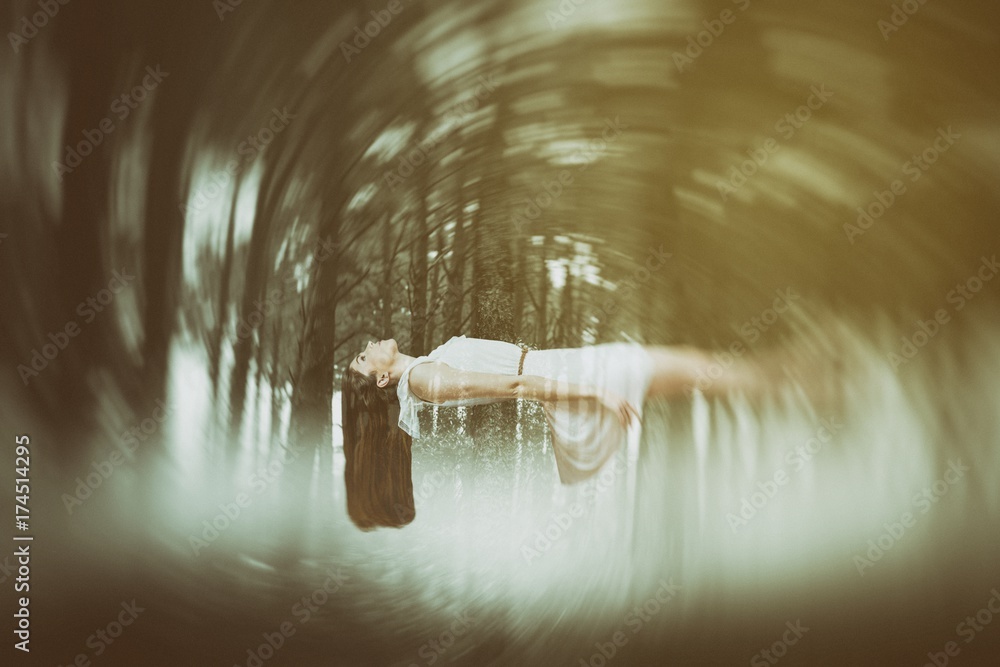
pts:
pixel 277 384
pixel 386 287
pixel 518 285
pixel 91 58
pixel 311 423
pixel 456 284
pixel 418 277
pixel 543 294
pixel 435 282
pixel 222 317
pixel 273 185
pixel 253 289
pixel 565 326
pixel 476 286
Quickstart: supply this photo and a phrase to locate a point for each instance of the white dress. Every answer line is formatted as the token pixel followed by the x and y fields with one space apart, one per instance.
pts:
pixel 585 434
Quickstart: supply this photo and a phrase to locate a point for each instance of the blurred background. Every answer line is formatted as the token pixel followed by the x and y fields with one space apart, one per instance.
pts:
pixel 209 207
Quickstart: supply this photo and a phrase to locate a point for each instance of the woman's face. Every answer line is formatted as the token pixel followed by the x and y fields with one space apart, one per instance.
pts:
pixel 376 358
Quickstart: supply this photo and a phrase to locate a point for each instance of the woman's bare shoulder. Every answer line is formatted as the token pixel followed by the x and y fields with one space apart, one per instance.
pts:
pixel 423 374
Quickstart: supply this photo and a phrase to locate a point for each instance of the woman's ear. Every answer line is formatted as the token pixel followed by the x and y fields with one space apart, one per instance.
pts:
pixel 383 380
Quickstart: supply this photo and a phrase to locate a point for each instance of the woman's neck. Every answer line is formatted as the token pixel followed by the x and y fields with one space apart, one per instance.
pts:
pixel 400 365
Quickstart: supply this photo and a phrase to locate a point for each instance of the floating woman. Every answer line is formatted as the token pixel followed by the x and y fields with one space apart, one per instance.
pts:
pixel 590 395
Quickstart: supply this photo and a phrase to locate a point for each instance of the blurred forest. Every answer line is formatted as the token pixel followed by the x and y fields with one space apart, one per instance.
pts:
pixel 305 177
pixel 283 203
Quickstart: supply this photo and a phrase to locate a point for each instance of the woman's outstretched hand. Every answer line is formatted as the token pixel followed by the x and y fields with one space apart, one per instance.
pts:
pixel 619 406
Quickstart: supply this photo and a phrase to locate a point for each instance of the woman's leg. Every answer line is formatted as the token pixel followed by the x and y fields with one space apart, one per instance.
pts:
pixel 678 370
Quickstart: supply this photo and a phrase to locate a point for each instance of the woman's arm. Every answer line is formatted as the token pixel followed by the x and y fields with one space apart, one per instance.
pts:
pixel 538 388
pixel 543 389
pixel 435 382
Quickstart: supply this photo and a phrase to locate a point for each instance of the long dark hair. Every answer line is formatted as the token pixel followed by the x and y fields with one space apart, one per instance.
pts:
pixel 377 473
